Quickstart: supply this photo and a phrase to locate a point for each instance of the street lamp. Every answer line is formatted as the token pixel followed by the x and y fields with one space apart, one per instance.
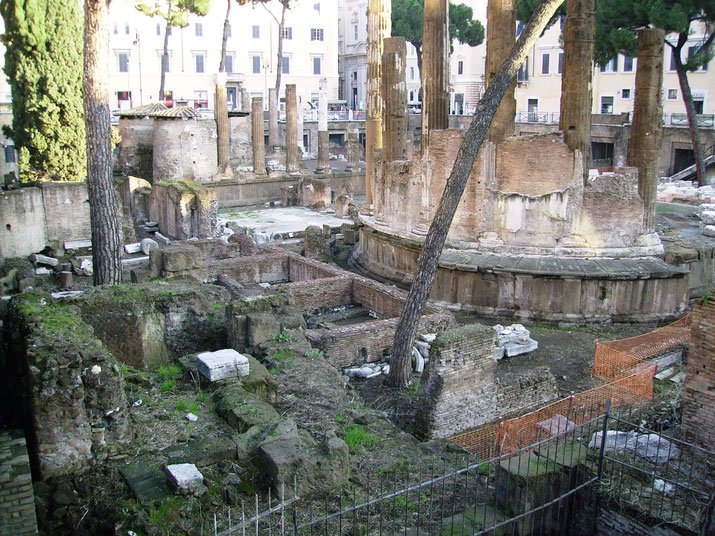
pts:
pixel 138 43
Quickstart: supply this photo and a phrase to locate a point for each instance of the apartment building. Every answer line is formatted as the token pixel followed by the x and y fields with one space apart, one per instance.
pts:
pixel 539 83
pixel 310 52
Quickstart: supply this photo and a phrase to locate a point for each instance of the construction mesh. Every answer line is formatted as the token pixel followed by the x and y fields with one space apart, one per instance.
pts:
pixel 621 363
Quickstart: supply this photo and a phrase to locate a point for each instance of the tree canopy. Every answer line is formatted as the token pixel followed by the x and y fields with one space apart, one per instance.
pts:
pixel 43 63
pixel 407 18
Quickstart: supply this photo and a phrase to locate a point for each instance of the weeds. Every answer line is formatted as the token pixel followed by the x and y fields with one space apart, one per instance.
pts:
pixel 357 437
pixel 284 336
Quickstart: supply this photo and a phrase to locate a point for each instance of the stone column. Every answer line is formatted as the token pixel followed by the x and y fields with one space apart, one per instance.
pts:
pixel 394 98
pixel 245 100
pixel 353 151
pixel 291 130
pixel 435 68
pixel 273 118
pixel 379 27
pixel 259 147
pixel 300 133
pixel 221 115
pixel 501 36
pixel 576 87
pixel 323 138
pixel 647 127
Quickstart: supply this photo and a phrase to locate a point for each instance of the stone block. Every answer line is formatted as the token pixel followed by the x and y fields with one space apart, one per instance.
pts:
pixel 221 364
pixel 261 327
pixel 185 478
pixel 181 257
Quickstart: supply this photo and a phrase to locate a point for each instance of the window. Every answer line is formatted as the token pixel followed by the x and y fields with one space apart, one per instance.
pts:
pixel 126 29
pixel 691 53
pixel 672 94
pixel 287 32
pixel 699 103
pixel 627 64
pixel 626 93
pixel 228 28
pixel 412 73
pixel 601 153
pixel 316 7
pixel 611 66
pixel 198 29
pixel 355 32
pixel 158 29
pixel 355 75
pixel 9 154
pixel 412 95
pixel 256 31
pixel 606 105
pixel 114 29
pixel 256 61
pixel 519 28
pixel 523 74
pixel 561 63
pixel 672 60
pixel 316 65
pixel 460 68
pixel 168 61
pixel 199 60
pixel 228 67
pixel 201 99
pixel 545 63
pixel 316 34
pixel 285 65
pixel 123 62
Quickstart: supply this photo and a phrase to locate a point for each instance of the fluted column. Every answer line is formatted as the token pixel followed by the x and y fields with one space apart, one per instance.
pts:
pixel 379 27
pixel 221 116
pixel 435 68
pixel 323 136
pixel 291 129
pixel 576 80
pixel 501 36
pixel 647 127
pixel 394 97
pixel 259 147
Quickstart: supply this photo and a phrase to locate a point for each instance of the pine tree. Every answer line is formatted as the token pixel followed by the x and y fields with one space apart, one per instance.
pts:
pixel 43 63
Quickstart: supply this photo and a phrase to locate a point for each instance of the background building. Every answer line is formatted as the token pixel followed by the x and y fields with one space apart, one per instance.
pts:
pixel 310 52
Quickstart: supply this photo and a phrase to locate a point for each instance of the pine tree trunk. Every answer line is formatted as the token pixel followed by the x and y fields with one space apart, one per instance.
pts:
pixel 103 202
pixel 274 99
pixel 165 61
pixel 224 41
pixel 698 152
pixel 400 373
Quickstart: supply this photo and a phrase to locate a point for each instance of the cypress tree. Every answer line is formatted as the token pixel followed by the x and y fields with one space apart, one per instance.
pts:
pixel 44 65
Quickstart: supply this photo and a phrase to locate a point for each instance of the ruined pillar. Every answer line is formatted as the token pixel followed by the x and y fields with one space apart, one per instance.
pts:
pixel 394 98
pixel 273 118
pixel 291 130
pixel 353 151
pixel 576 87
pixel 647 127
pixel 300 133
pixel 259 147
pixel 245 100
pixel 221 115
pixel 435 68
pixel 323 137
pixel 501 36
pixel 379 27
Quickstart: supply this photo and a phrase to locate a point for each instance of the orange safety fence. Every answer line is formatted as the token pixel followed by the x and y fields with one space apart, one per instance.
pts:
pixel 630 380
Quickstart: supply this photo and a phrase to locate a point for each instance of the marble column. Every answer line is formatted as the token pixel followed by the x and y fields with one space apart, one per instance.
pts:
pixel 435 68
pixel 221 116
pixel 501 36
pixel 576 80
pixel 647 127
pixel 291 130
pixel 323 137
pixel 259 147
pixel 273 118
pixel 394 98
pixel 353 151
pixel 379 27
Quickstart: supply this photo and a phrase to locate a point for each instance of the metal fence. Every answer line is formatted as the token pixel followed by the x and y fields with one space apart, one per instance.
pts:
pixel 555 485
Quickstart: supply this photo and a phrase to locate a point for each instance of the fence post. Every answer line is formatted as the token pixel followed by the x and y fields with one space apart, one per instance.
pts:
pixel 599 474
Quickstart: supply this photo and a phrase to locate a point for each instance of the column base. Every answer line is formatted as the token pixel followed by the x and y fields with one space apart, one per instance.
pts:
pixel 367 210
pixel 421 230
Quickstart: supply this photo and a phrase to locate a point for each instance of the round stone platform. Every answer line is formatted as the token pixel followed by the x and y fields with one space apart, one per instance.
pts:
pixel 534 287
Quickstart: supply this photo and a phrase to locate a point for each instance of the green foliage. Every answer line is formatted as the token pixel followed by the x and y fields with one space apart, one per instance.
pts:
pixel 169 371
pixel 43 63
pixel 407 18
pixel 705 300
pixel 356 437
pixel 284 336
pixel 175 13
pixel 525 9
pixel 316 352
pixel 168 385
pixel 283 353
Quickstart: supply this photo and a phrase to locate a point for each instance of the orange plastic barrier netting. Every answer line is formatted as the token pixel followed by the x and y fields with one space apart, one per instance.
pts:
pixel 618 362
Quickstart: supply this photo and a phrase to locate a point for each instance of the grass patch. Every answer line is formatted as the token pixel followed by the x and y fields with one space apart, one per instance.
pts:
pixel 357 437
pixel 167 372
pixel 315 352
pixel 168 385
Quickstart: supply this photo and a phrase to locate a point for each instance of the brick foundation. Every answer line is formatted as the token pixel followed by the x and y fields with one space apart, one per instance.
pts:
pixel 17 498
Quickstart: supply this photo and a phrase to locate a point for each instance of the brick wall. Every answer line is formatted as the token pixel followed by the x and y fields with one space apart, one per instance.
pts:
pixel 527 389
pixel 327 292
pixel 17 499
pixel 269 268
pixel 459 391
pixel 66 210
pixel 23 230
pixel 378 297
pixel 699 393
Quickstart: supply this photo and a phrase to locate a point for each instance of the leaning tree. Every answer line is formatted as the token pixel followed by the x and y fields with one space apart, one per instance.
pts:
pixel 399 375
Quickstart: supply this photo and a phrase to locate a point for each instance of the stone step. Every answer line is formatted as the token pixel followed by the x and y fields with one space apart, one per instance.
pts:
pixel 678 378
pixel 664 375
